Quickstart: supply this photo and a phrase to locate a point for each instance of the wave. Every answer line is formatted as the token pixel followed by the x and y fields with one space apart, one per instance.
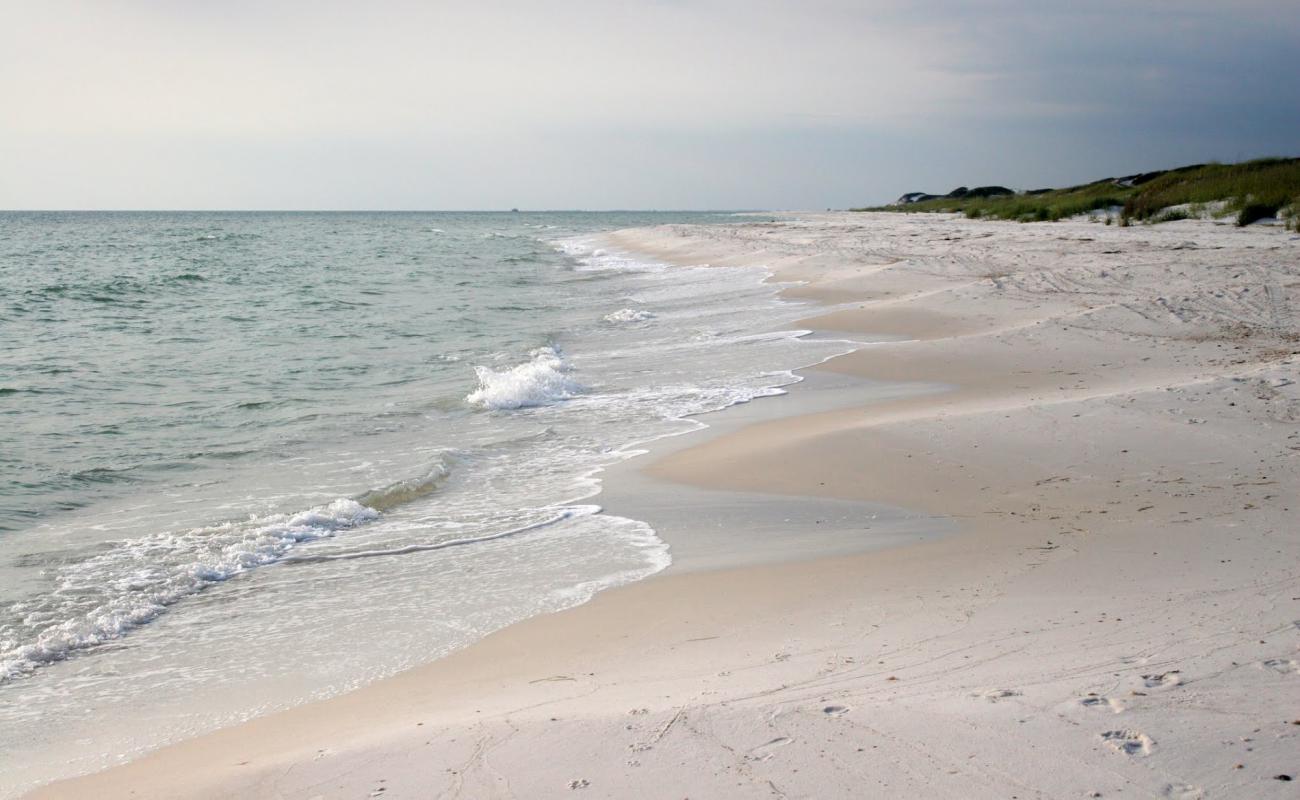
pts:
pixel 628 315
pixel 113 592
pixel 540 381
pixel 226 236
pixel 567 513
pixel 402 492
pixel 596 259
pixel 105 596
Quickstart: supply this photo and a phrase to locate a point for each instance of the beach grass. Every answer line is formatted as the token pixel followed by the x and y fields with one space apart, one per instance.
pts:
pixel 1252 190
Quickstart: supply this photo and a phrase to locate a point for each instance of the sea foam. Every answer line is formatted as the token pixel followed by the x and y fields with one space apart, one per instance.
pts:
pixel 540 381
pixel 626 315
pixel 133 582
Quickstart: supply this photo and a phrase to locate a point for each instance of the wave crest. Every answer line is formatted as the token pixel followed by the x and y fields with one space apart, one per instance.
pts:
pixel 396 494
pixel 628 315
pixel 542 380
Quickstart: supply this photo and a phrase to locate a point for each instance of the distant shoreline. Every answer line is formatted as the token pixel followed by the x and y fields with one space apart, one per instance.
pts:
pixel 1248 192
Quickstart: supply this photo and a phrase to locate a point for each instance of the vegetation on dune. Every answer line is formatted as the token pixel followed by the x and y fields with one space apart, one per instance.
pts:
pixel 1252 190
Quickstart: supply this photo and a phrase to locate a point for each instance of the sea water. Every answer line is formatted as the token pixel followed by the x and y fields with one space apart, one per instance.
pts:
pixel 252 459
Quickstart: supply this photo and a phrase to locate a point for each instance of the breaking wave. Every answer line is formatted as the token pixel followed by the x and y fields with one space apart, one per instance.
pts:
pixel 628 315
pixel 542 380
pixel 135 580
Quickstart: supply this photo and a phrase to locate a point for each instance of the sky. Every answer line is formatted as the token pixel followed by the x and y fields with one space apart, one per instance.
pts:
pixel 668 104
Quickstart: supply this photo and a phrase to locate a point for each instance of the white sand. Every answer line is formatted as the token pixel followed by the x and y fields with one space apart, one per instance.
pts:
pixel 1118 615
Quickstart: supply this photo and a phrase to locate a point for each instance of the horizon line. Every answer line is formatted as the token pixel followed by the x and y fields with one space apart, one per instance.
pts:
pixel 403 210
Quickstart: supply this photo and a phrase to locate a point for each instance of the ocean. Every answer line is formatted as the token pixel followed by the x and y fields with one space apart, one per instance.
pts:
pixel 248 460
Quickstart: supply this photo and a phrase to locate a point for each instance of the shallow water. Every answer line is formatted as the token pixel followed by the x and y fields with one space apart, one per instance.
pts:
pixel 248 460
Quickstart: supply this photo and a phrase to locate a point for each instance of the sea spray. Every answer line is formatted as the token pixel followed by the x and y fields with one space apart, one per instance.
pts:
pixel 542 380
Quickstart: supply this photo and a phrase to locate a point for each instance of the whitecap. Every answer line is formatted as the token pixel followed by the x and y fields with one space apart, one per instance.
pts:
pixel 625 315
pixel 540 381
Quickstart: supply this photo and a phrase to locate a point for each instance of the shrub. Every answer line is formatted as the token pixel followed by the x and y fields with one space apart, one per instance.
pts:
pixel 1253 212
pixel 1292 215
pixel 1170 215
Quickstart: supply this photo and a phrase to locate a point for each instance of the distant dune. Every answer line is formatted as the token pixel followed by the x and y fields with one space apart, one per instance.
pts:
pixel 1262 190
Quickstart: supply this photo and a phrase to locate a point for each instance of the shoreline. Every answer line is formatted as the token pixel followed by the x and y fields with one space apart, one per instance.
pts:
pixel 1040 650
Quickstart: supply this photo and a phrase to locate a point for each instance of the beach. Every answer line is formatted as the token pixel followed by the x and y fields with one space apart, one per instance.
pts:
pixel 1033 537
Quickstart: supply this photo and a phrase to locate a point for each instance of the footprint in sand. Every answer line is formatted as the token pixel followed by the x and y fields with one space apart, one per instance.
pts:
pixel 835 711
pixel 768 749
pixel 994 695
pixel 1097 701
pixel 1163 680
pixel 1128 742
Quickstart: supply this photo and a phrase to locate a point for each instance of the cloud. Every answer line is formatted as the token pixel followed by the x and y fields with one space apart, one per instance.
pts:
pixel 396 104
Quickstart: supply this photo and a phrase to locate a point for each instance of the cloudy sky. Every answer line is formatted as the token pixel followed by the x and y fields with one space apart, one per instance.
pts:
pixel 623 104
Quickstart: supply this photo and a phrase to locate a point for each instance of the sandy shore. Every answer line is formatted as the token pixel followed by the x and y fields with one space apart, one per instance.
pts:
pixel 1094 431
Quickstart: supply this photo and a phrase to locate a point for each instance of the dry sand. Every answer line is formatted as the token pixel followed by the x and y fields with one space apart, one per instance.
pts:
pixel 1118 615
